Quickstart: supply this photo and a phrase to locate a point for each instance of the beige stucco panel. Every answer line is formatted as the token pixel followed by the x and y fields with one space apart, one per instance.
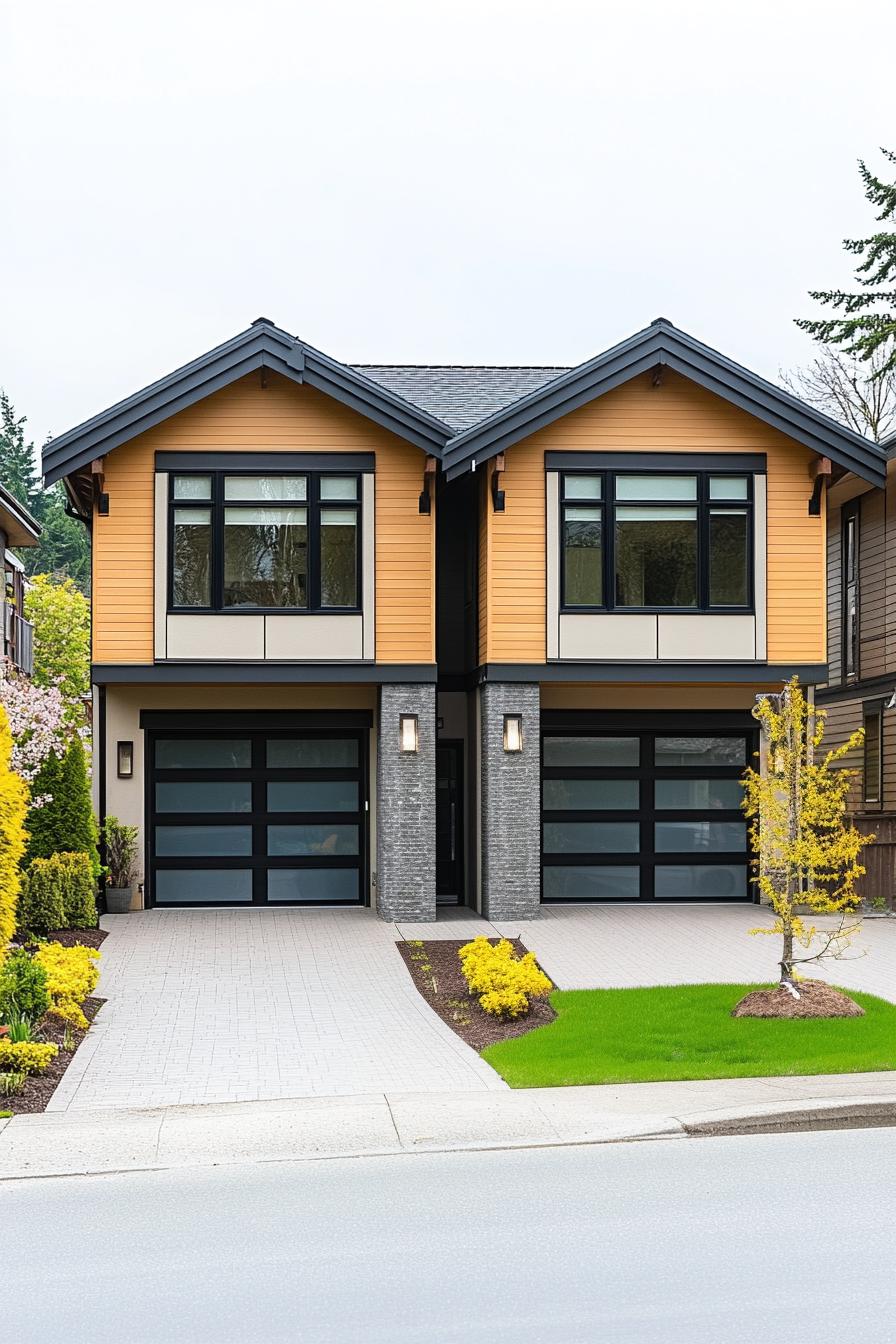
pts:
pixel 323 638
pixel 200 637
pixel 602 636
pixel 717 639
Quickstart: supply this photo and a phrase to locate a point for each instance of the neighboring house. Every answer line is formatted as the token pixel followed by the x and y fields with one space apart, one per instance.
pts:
pixel 861 685
pixel 396 634
pixel 17 528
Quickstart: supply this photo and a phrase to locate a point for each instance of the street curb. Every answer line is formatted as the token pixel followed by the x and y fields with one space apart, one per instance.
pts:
pixel 854 1113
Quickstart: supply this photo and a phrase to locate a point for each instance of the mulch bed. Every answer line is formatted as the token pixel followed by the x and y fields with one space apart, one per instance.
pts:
pixel 37 1090
pixel 816 1000
pixel 68 938
pixel 445 990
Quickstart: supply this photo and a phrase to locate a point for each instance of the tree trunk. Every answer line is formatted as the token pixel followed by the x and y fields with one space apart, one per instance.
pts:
pixel 787 954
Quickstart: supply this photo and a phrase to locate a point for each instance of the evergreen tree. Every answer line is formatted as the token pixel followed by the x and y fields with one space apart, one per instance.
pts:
pixel 863 328
pixel 65 824
pixel 18 471
pixel 64 546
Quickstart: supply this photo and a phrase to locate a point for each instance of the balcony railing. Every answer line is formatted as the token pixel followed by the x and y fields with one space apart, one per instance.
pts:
pixel 18 636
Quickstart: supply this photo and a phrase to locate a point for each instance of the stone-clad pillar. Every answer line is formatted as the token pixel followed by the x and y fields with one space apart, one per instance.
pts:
pixel 511 804
pixel 406 806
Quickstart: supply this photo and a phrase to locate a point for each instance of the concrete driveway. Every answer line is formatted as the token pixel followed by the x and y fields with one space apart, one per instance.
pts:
pixel 245 1005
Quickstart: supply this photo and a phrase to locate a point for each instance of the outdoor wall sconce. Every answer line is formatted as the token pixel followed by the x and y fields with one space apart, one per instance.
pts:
pixel 513 732
pixel 429 475
pixel 125 760
pixel 409 731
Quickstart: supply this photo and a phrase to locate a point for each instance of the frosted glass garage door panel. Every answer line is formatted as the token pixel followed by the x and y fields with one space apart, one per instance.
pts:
pixel 208 886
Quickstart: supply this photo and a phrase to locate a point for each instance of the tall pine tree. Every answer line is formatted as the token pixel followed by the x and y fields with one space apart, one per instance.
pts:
pixel 863 327
pixel 64 546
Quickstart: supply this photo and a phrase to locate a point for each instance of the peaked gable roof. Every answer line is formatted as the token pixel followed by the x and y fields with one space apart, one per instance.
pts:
pixel 262 345
pixel 664 345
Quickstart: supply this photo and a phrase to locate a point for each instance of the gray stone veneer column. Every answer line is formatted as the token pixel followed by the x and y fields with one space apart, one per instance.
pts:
pixel 511 804
pixel 406 807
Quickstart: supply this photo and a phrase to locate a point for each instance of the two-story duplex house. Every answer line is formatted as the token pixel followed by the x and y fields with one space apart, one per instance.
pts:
pixel 17 529
pixel 393 634
pixel 861 684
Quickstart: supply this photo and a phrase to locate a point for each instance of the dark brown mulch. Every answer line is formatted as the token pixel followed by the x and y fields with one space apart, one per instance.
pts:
pixel 37 1090
pixel 816 1000
pixel 71 937
pixel 452 1000
pixel 67 937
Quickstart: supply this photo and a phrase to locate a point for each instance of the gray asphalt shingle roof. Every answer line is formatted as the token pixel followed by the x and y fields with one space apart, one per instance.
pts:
pixel 460 395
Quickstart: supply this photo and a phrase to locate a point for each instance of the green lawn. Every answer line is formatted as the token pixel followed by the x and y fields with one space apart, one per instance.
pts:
pixel 686 1031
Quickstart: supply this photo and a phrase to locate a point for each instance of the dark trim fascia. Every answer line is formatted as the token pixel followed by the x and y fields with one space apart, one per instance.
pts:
pixel 754 463
pixel 212 720
pixel 268 673
pixel 663 345
pixel 760 674
pixel 279 462
pixel 858 690
pixel 261 346
pixel 649 720
pixel 21 529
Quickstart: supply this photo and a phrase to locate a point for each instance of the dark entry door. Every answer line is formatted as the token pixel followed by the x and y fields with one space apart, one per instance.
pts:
pixel 449 819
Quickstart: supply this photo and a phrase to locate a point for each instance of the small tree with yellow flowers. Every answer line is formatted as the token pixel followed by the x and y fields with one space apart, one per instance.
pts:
pixel 13 808
pixel 808 854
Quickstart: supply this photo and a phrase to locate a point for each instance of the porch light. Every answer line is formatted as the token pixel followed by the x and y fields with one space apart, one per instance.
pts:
pixel 409 732
pixel 125 760
pixel 513 732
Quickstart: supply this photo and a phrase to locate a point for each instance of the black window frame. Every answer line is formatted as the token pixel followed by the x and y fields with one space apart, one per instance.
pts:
pixel 313 503
pixel 850 589
pixel 703 505
pixel 873 709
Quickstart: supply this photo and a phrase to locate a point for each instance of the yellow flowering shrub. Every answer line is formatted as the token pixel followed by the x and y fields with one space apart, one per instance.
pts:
pixel 72 974
pixel 503 981
pixel 26 1056
pixel 13 809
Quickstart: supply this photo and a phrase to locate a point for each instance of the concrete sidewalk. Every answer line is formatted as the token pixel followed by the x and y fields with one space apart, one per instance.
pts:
pixel 92 1142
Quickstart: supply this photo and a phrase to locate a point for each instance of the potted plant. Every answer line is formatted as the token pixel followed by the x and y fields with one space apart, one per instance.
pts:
pixel 121 863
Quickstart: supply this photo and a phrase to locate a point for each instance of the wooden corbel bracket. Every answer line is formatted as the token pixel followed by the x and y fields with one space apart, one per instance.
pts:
pixel 819 471
pixel 497 492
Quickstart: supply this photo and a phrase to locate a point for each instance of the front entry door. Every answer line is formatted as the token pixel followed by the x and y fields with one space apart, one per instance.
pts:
pixel 449 816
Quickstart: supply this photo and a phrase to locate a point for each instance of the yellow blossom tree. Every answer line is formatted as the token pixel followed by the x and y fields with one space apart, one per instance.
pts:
pixel 808 853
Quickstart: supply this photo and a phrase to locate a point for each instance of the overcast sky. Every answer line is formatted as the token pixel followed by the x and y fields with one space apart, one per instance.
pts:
pixel 427 182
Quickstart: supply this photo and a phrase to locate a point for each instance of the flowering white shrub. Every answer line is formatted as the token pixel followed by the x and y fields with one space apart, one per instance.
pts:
pixel 37 722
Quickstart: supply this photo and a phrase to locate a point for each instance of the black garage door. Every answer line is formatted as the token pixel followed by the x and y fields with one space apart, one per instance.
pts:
pixel 630 813
pixel 257 817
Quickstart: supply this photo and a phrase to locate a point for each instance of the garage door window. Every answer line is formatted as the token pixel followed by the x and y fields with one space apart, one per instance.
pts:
pixel 646 816
pixel 265 817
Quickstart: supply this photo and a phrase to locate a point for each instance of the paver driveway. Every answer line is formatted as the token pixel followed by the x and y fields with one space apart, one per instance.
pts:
pixel 240 1005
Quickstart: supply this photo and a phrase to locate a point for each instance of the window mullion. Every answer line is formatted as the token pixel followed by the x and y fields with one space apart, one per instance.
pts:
pixel 313 546
pixel 608 489
pixel 217 584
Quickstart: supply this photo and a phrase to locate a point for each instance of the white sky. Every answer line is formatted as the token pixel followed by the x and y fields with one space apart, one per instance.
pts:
pixel 445 182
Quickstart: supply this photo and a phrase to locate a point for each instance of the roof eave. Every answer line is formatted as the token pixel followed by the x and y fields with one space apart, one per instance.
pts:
pixel 663 344
pixel 20 527
pixel 260 346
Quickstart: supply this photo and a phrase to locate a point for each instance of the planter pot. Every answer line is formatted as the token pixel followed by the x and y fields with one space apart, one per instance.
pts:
pixel 118 900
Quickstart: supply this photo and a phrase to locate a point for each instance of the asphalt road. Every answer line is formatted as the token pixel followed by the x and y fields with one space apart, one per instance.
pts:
pixel 717 1240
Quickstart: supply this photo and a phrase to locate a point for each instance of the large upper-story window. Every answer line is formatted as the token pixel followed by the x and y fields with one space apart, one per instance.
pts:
pixel 676 541
pixel 243 542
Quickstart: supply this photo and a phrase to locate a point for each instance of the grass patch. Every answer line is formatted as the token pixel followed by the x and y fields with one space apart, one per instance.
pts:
pixel 673 1032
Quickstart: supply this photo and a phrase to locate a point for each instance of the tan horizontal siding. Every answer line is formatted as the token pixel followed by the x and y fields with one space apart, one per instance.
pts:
pixel 246 417
pixel 677 416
